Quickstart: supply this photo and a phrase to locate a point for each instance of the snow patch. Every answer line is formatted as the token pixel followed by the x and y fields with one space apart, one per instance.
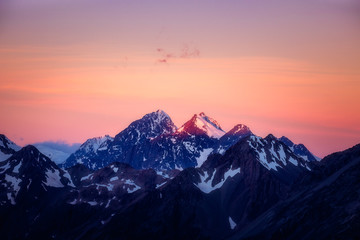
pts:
pixel 262 159
pixel 203 156
pixel 73 202
pixel 232 223
pixel 92 203
pixel 11 198
pixel 53 178
pixel 159 185
pixel 231 173
pixel 67 175
pixel 108 203
pixel 4 156
pixel 133 186
pixel 4 168
pixel 103 148
pixel 282 155
pixel 27 187
pixel 205 184
pixel 14 183
pixel 161 173
pixel 293 161
pixel 262 156
pixel 86 177
pixel 109 187
pixel 177 167
pixel 221 150
pixel 16 168
pixel 114 179
pixel 256 140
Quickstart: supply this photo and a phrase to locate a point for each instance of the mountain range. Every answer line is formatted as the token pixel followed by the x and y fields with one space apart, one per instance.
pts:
pixel 208 185
pixel 155 142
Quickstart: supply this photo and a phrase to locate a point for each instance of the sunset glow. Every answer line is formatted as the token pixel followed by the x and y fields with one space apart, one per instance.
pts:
pixel 72 71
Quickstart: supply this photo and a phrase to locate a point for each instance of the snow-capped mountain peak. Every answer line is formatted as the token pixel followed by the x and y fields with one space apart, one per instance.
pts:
pixel 287 141
pixel 7 147
pixel 149 126
pixel 160 118
pixel 299 149
pixel 7 143
pixel 29 170
pixel 240 129
pixel 93 144
pixel 238 132
pixel 210 120
pixel 201 124
pixel 274 154
pixel 89 150
pixel 98 152
pixel 161 114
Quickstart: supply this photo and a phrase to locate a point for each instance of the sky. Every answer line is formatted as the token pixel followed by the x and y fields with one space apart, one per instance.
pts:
pixel 72 70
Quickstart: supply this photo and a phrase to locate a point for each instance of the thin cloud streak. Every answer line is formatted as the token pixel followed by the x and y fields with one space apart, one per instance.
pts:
pixel 187 51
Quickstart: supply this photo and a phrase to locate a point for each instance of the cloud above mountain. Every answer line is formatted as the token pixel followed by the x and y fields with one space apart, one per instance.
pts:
pixel 60 145
pixel 186 51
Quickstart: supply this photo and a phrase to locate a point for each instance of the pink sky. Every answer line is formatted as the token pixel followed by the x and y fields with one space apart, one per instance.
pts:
pixel 71 71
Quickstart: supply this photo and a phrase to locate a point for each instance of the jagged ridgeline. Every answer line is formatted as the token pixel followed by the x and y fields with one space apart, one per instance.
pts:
pixel 155 142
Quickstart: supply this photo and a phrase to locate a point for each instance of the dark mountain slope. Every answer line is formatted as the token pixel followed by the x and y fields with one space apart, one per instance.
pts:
pixel 327 209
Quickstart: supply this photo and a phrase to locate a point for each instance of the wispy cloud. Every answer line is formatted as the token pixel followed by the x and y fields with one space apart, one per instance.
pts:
pixel 61 145
pixel 187 51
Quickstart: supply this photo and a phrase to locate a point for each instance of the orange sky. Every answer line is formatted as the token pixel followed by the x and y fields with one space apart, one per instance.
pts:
pixel 71 71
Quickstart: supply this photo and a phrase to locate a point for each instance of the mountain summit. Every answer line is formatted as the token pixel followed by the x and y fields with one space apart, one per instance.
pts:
pixel 299 149
pixel 201 124
pixel 149 126
pixel 7 147
pixel 128 146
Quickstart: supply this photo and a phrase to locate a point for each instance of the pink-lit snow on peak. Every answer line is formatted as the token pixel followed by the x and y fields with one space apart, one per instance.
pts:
pixel 202 124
